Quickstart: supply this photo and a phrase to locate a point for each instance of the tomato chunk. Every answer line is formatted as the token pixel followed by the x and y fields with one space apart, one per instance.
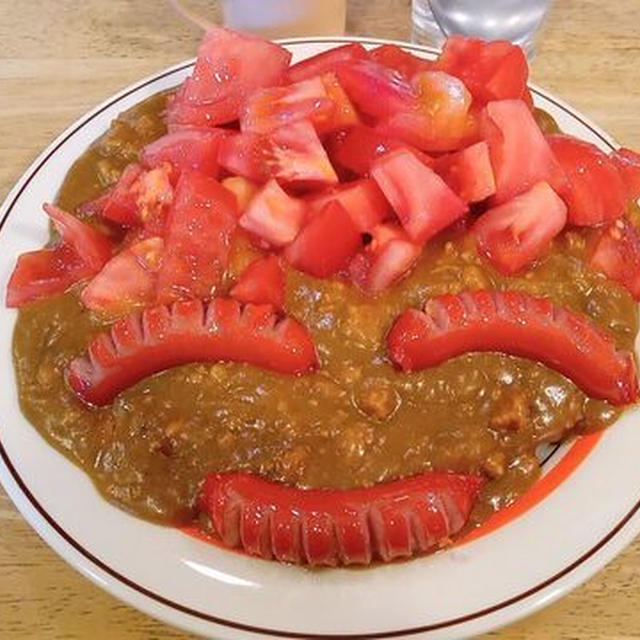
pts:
pixel 186 149
pixel 326 61
pixel 327 243
pixel 387 258
pixel 516 233
pixel 262 282
pixel 422 201
pixel 509 128
pixel 331 526
pixel 595 192
pixel 127 281
pixel 362 199
pixel 628 165
pixel 199 227
pixel 294 155
pixel 244 190
pixel 405 63
pixel 159 338
pixel 93 247
pixel 521 325
pixel 273 215
pixel 617 255
pixel 494 70
pixel 343 113
pixel 468 172
pixel 44 273
pixel 230 66
pixel 121 202
pixel 439 119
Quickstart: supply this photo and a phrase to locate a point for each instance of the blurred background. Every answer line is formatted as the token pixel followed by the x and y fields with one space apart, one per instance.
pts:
pixel 59 58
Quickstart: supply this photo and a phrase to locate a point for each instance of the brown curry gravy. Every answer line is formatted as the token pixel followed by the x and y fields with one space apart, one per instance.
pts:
pixel 356 421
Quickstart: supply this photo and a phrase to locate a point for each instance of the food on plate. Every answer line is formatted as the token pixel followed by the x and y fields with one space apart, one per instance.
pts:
pixel 328 312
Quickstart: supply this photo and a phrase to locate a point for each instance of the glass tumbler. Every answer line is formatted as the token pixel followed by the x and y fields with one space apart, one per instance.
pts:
pixel 514 20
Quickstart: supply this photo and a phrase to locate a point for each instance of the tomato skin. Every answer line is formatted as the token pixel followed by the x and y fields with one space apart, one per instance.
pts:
pixel 327 527
pixel 387 258
pixel 273 215
pixel 518 324
pixel 595 192
pixel 127 281
pixel 514 234
pixel 397 59
pixel 167 336
pixel 229 67
pixel 325 61
pixel 362 199
pixel 617 255
pixel 628 164
pixel 199 228
pixel 262 282
pixel 185 149
pixel 44 273
pixel 422 201
pixel 496 70
pixel 468 172
pixel 509 127
pixel 326 244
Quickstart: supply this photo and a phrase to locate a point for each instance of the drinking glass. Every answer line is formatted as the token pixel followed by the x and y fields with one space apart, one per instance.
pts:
pixel 514 20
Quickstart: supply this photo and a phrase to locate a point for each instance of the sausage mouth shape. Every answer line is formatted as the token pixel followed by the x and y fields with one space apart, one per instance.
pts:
pixel 166 336
pixel 520 325
pixel 329 527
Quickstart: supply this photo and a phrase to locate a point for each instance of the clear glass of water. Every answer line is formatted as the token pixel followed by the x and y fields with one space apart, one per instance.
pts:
pixel 514 20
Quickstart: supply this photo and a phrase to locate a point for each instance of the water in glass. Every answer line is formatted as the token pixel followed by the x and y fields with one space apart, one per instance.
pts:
pixel 515 20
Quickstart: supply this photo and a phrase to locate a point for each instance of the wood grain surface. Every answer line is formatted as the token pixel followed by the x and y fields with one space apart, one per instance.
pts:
pixel 58 58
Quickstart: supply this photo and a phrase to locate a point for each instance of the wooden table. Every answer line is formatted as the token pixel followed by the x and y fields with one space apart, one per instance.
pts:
pixel 58 59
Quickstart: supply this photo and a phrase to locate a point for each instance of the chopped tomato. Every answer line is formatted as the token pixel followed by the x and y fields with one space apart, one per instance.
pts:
pixel 330 526
pixel 521 325
pixel 127 281
pixel 326 61
pixel 440 119
pixel 422 201
pixel 595 192
pixel 520 155
pixel 230 66
pixel 186 149
pixel 327 243
pixel 293 154
pixel 166 336
pixel 468 172
pixel 375 89
pixel 388 257
pixel 154 197
pixel 343 113
pixel 270 108
pixel 628 165
pixel 358 147
pixel 244 190
pixel 199 227
pixel 44 273
pixel 514 234
pixel 93 247
pixel 617 255
pixel 121 205
pixel 405 63
pixel 274 216
pixel 262 282
pixel 494 70
pixel 363 200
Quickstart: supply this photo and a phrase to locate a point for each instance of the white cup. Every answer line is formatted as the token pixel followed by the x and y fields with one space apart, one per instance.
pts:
pixel 286 18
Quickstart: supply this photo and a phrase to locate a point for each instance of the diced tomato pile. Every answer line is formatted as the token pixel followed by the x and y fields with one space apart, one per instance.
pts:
pixel 349 165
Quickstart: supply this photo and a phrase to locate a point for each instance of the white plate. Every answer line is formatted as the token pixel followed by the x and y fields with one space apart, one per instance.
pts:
pixel 470 589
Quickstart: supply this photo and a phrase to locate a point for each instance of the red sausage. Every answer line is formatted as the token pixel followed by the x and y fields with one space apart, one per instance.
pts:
pixel 330 526
pixel 189 331
pixel 521 325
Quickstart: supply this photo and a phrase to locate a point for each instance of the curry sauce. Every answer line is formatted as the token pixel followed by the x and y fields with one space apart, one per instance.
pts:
pixel 354 422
